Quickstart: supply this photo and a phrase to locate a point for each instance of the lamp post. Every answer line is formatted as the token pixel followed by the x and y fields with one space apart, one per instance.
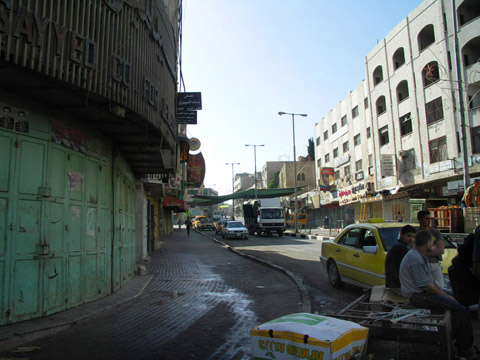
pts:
pixel 255 160
pixel 233 181
pixel 294 162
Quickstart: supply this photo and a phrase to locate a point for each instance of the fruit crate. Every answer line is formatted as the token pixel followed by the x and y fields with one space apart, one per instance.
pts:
pixel 448 218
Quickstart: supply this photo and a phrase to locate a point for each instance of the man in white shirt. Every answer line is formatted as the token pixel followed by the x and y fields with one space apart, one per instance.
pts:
pixel 417 284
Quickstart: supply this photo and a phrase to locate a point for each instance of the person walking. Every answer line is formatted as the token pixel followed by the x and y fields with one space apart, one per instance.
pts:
pixel 472 195
pixel 188 224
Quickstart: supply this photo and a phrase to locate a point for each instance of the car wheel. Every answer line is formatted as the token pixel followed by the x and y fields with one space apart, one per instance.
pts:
pixel 334 275
pixel 280 233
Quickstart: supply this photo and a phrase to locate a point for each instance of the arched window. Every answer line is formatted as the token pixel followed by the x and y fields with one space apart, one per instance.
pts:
pixel 377 75
pixel 402 91
pixel 398 58
pixel 430 74
pixel 467 11
pixel 426 37
pixel 471 52
pixel 381 105
pixel 303 177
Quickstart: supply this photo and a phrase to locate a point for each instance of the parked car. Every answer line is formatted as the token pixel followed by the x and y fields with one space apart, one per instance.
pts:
pixel 219 226
pixel 357 254
pixel 206 224
pixel 196 221
pixel 234 229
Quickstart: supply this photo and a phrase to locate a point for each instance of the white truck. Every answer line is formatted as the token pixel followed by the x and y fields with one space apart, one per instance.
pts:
pixel 264 216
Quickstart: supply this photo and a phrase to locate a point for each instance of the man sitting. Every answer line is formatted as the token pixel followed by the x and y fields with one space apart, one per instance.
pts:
pixel 395 256
pixel 417 284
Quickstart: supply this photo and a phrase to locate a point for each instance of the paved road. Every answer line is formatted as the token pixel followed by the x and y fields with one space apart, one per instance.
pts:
pixel 201 304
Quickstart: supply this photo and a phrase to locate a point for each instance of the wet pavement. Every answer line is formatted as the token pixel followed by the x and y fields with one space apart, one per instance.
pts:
pixel 200 303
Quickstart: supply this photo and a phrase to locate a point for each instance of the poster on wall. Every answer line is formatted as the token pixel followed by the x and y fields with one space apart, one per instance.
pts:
pixel 387 165
pixel 195 169
pixel 327 178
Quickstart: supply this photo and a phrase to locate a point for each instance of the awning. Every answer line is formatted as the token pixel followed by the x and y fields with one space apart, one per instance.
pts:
pixel 174 204
pixel 204 200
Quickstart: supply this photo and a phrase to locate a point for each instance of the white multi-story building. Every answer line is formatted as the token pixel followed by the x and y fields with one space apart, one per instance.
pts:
pixel 399 133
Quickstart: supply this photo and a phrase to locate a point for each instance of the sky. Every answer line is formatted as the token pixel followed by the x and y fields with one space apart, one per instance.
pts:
pixel 251 59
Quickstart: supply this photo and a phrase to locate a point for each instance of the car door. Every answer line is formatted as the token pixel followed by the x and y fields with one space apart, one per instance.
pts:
pixel 371 266
pixel 347 253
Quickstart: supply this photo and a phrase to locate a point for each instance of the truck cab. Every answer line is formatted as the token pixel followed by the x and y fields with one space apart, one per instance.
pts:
pixel 263 219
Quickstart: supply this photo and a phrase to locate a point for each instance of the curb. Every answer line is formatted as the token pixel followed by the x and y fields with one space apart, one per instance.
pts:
pixel 305 296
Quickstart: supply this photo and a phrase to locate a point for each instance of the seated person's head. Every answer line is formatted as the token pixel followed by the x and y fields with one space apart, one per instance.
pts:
pixel 423 239
pixel 407 235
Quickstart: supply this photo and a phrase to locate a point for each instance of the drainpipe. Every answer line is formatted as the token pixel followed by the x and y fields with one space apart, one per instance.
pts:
pixel 466 177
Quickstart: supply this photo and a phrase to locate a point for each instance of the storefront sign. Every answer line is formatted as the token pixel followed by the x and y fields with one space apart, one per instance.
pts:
pixel 189 101
pixel 352 193
pixel 387 165
pixel 196 169
pixel 187 117
pixel 194 144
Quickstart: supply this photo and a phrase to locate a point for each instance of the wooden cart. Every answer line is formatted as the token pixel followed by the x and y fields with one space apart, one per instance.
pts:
pixel 401 322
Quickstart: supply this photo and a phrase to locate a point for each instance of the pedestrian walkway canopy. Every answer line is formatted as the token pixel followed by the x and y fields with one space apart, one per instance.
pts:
pixel 205 200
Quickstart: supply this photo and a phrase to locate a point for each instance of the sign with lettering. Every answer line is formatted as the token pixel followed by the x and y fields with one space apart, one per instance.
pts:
pixel 187 117
pixel 189 101
pixel 196 169
pixel 352 193
pixel 387 165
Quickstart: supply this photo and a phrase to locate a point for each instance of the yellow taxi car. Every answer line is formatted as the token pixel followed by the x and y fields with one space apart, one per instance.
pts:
pixel 357 254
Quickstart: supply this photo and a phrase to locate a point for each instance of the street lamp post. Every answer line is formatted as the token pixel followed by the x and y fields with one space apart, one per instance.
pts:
pixel 233 187
pixel 255 160
pixel 294 163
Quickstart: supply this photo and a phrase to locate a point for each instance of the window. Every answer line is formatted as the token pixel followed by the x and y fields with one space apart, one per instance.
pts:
pixel 337 174
pixel 365 103
pixel 334 128
pixel 369 132
pixel 370 160
pixel 356 140
pixel 319 162
pixel 335 152
pixel 438 150
pixel 430 74
pixel 345 146
pixel 434 110
pixel 346 170
pixel 426 37
pixel 398 58
pixel 318 140
pixel 406 124
pixel 402 91
pixel 301 177
pixel 358 165
pixel 475 139
pixel 381 105
pixel 467 11
pixel 377 75
pixel 325 135
pixel 383 135
pixel 471 51
pixel 344 120
pixel 355 112
pixel 327 158
pixel 351 238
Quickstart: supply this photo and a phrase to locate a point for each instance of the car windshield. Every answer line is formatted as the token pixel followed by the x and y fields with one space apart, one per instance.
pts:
pixel 234 224
pixel 389 236
pixel 272 213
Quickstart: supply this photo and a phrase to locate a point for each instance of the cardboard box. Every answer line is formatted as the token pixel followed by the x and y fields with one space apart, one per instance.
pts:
pixel 308 336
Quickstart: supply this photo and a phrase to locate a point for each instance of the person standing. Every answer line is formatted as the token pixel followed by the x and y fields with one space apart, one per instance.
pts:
pixel 326 223
pixel 472 195
pixel 395 256
pixel 418 286
pixel 438 248
pixel 188 224
pixel 399 217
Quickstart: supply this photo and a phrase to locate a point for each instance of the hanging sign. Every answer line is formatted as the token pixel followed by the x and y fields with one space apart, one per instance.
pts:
pixel 194 144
